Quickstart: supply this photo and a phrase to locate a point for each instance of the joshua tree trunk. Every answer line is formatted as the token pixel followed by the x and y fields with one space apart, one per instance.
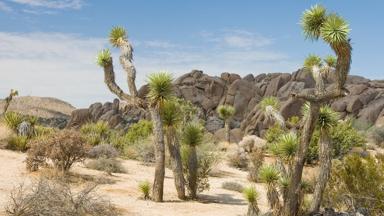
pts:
pixel 273 199
pixel 158 184
pixel 176 163
pixel 9 99
pixel 193 167
pixel 292 202
pixel 227 131
pixel 253 209
pixel 325 169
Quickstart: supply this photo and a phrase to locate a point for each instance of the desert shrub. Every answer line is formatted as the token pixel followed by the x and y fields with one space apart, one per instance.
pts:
pixel 238 159
pixel 17 143
pixel 145 189
pixel 12 120
pixel 343 137
pixel 250 194
pixel 103 150
pixel 96 133
pixel 56 198
pixel 63 148
pixel 233 186
pixel 377 135
pixel 273 133
pixel 356 182
pixel 43 131
pixel 108 165
pixel 139 131
pixel 256 159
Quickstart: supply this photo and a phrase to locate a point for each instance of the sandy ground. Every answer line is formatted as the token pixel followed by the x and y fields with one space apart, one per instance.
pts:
pixel 125 195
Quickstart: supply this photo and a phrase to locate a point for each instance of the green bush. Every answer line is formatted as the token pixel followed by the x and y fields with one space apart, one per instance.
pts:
pixel 108 165
pixel 17 143
pixel 96 133
pixel 343 137
pixel 377 135
pixel 356 182
pixel 273 133
pixel 12 120
pixel 139 131
pixel 145 189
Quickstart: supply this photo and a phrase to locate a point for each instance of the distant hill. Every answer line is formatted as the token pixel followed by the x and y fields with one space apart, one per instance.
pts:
pixel 43 107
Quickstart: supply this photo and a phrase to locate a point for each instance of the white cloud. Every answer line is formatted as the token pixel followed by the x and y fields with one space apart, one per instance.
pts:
pixel 52 4
pixel 4 7
pixel 63 65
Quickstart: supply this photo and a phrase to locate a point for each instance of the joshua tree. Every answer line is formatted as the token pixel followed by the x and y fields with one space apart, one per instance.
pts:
pixel 226 113
pixel 160 90
pixel 285 148
pixel 8 99
pixel 270 107
pixel 334 30
pixel 270 175
pixel 172 118
pixel 192 137
pixel 251 196
pixel 327 120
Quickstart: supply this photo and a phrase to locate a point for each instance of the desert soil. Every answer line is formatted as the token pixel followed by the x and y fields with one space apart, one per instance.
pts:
pixel 125 195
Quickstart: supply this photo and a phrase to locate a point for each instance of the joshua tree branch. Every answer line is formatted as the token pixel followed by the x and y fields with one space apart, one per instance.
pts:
pixel 126 58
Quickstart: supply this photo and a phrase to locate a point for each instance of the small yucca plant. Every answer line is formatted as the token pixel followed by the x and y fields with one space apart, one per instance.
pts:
pixel 311 61
pixel 160 88
pixel 225 111
pixel 250 194
pixel 269 174
pixel 145 189
pixel 269 101
pixel 104 58
pixel 192 134
pixel 13 120
pixel 117 36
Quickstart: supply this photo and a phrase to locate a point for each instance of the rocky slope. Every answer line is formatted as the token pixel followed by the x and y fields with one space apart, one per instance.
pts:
pixel 365 101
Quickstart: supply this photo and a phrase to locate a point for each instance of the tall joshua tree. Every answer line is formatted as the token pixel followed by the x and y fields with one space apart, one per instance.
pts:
pixel 8 99
pixel 160 89
pixel 226 113
pixel 192 137
pixel 334 30
pixel 327 120
pixel 172 118
pixel 270 175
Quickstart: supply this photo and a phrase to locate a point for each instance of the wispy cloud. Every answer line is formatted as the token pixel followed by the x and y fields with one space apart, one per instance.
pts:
pixel 63 65
pixel 4 7
pixel 52 4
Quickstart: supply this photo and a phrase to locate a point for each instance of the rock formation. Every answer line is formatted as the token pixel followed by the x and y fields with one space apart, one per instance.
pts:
pixel 365 101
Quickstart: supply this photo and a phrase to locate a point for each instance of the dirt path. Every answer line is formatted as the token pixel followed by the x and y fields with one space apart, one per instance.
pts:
pixel 124 194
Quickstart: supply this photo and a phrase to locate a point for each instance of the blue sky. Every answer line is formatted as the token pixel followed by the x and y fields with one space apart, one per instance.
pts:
pixel 48 47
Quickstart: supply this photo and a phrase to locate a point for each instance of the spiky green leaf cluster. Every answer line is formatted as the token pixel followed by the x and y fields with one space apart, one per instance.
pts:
pixel 145 189
pixel 269 101
pixel 331 28
pixel 335 29
pixel 171 113
pixel 312 60
pixel 330 60
pixel 269 174
pixel 160 88
pixel 225 111
pixel 104 58
pixel 250 194
pixel 117 35
pixel 327 117
pixel 312 20
pixel 305 109
pixel 286 145
pixel 192 134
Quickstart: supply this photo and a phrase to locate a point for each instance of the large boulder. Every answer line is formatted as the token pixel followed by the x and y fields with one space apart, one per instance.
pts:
pixel 371 112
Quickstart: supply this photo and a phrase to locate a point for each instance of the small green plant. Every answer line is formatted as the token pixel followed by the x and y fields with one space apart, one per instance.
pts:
pixel 233 186
pixel 13 120
pixel 269 101
pixel 273 133
pixel 251 195
pixel 145 189
pixel 377 134
pixel 269 174
pixel 139 131
pixel 104 58
pixel 18 143
pixel 96 133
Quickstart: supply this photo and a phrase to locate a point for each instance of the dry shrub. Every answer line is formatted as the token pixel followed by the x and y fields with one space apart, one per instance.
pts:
pixel 238 159
pixel 63 148
pixel 108 165
pixel 256 158
pixel 233 186
pixel 46 198
pixel 103 150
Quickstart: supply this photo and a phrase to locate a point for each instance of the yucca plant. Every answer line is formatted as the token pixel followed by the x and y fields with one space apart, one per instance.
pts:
pixel 8 100
pixel 270 175
pixel 145 189
pixel 251 195
pixel 96 133
pixel 172 118
pixel 286 147
pixel 226 113
pixel 192 136
pixel 316 24
pixel 160 88
pixel 270 106
pixel 13 120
